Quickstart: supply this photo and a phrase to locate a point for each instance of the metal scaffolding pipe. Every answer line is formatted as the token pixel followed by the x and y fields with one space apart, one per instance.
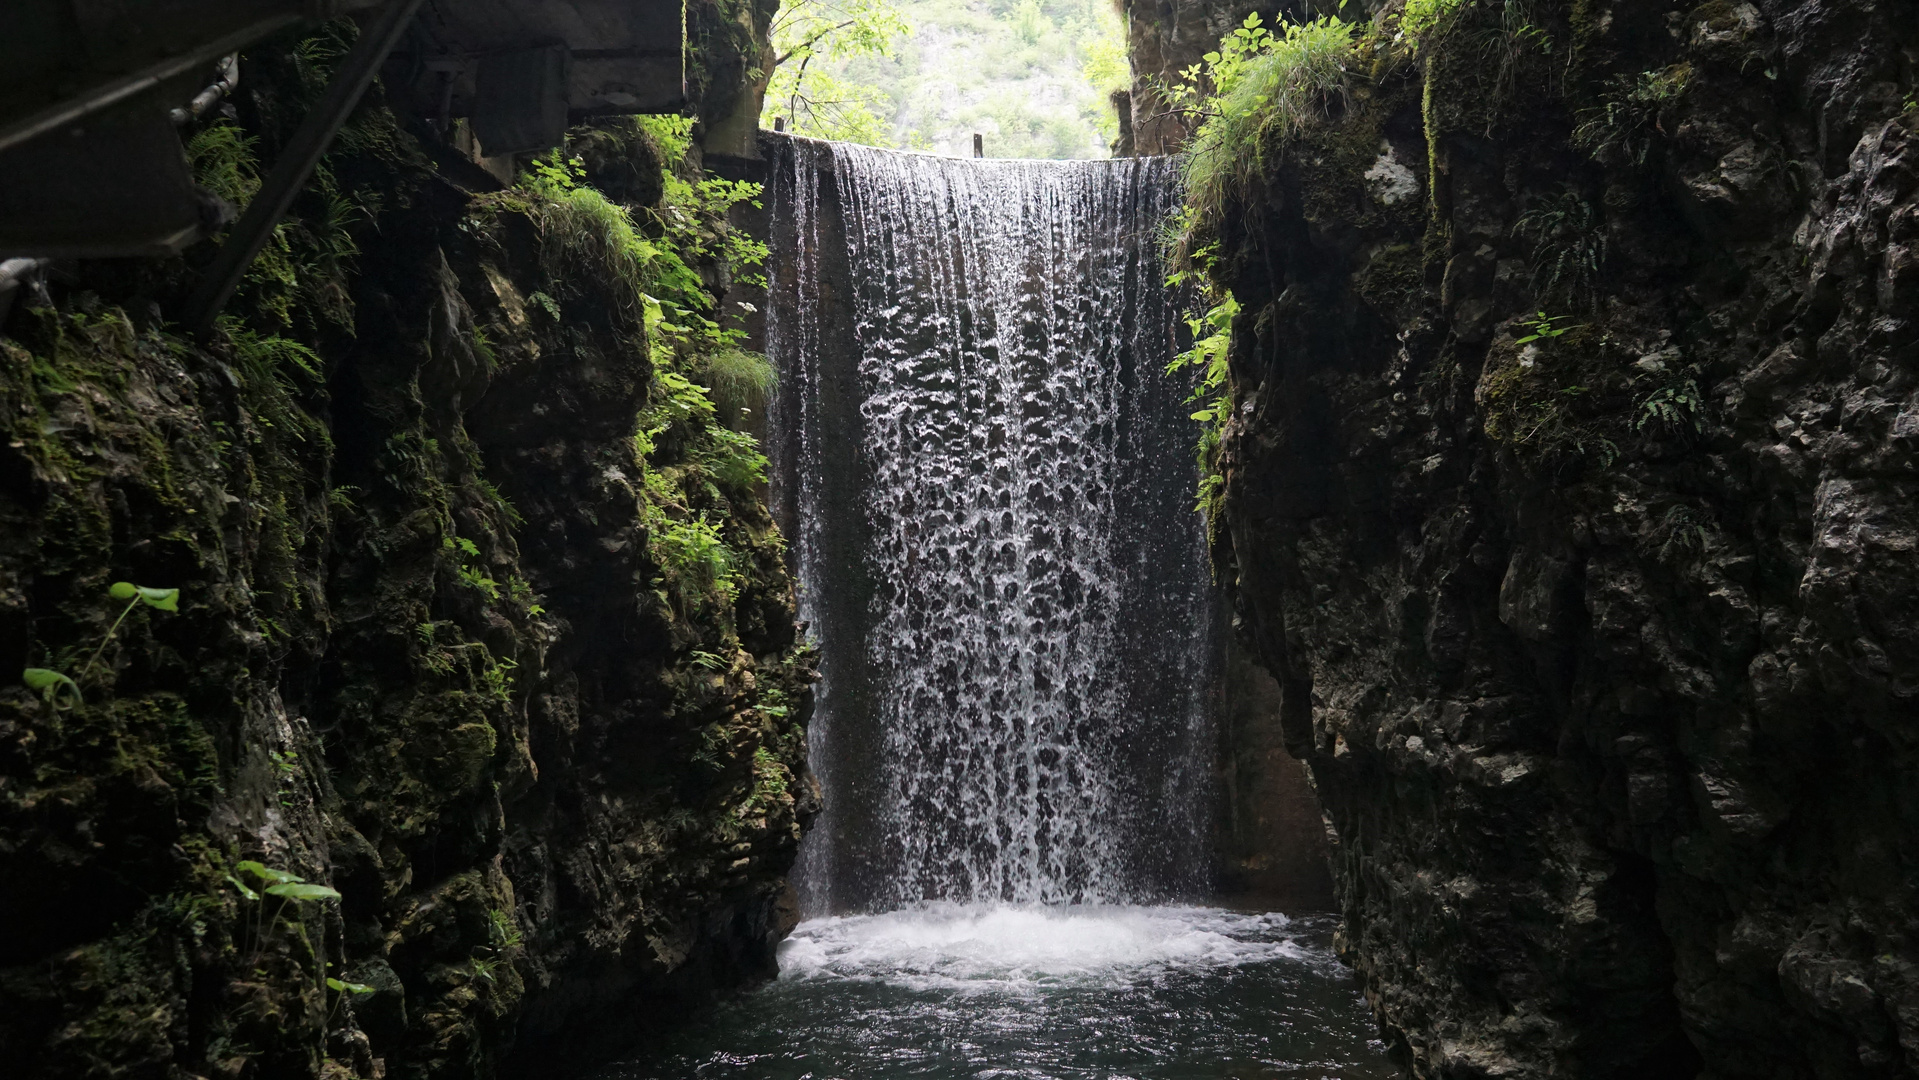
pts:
pixel 228 79
pixel 296 163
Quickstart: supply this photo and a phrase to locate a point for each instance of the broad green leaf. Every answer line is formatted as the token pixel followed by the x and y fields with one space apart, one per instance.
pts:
pixel 302 891
pixel 267 873
pixel 123 590
pixel 164 599
pixel 52 685
pixel 39 678
pixel 242 886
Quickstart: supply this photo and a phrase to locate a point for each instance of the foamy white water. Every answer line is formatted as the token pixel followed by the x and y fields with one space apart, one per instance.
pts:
pixel 952 992
pixel 989 948
pixel 989 471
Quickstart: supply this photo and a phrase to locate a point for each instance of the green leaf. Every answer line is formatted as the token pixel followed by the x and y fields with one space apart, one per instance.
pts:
pixel 51 684
pixel 164 599
pixel 242 886
pixel 39 678
pixel 344 987
pixel 302 892
pixel 267 873
pixel 123 590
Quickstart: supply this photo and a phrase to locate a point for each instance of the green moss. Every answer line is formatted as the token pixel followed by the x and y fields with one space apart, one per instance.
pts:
pixel 1557 401
pixel 364 610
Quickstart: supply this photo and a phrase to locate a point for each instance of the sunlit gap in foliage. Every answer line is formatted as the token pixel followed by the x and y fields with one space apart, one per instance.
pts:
pixel 1033 77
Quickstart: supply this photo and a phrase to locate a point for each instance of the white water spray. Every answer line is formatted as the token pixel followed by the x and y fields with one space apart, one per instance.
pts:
pixel 988 478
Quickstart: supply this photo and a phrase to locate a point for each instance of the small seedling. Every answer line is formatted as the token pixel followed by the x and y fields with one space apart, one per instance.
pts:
pixel 287 887
pixel 62 692
pixel 1543 325
pixel 343 990
pixel 59 691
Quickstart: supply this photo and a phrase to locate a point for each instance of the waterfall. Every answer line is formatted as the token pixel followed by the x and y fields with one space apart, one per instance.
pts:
pixel 985 475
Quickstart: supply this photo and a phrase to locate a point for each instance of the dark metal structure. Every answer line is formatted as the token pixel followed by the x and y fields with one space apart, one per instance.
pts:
pixel 521 69
pixel 91 92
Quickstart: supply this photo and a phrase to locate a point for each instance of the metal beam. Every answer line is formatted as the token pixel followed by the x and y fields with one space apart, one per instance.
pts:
pixel 121 89
pixel 296 163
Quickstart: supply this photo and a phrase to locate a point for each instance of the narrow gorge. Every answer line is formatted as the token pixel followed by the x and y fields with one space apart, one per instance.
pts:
pixel 1407 569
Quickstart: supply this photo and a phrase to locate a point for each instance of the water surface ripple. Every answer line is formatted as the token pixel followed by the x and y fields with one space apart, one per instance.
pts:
pixel 1038 993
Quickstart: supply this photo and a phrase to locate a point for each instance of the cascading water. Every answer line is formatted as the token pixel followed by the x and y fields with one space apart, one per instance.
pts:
pixel 986 478
pixel 986 475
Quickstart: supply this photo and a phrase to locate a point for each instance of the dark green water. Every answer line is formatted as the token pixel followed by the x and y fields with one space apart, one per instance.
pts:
pixel 1038 993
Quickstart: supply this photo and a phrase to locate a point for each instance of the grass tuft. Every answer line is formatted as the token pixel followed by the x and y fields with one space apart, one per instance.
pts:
pixel 1264 85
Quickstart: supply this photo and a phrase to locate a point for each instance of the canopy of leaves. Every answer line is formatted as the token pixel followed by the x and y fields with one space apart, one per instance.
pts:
pixel 1031 76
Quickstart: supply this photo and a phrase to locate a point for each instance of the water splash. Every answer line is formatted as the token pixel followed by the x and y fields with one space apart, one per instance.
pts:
pixel 986 475
pixel 1015 949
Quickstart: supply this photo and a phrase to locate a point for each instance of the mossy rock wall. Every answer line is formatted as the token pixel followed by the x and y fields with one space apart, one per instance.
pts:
pixel 1569 478
pixel 423 654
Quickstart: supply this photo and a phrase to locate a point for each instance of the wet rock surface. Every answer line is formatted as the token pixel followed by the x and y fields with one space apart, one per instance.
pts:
pixel 423 655
pixel 1571 501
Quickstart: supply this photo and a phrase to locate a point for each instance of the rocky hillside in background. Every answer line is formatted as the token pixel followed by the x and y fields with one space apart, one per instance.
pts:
pixel 1164 39
pixel 475 731
pixel 1569 491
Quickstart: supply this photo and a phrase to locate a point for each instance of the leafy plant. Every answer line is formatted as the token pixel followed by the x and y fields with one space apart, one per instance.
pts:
pixel 696 559
pixel 475 577
pixel 1422 20
pixel 497 679
pixel 1255 87
pixel 63 692
pixel 1677 405
pixel 1685 534
pixel 1545 327
pixel 505 933
pixel 283 885
pixel 1569 248
pixel 303 268
pixel 523 595
pixel 342 990
pixel 1212 343
pixel 1630 118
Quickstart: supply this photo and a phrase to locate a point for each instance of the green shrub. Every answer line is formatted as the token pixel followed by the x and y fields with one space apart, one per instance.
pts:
pixel 1423 20
pixel 737 380
pixel 1263 85
pixel 1626 125
pixel 1569 248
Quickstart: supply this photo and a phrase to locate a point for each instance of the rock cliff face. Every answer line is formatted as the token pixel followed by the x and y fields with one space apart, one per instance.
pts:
pixel 457 636
pixel 1570 498
pixel 1163 39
